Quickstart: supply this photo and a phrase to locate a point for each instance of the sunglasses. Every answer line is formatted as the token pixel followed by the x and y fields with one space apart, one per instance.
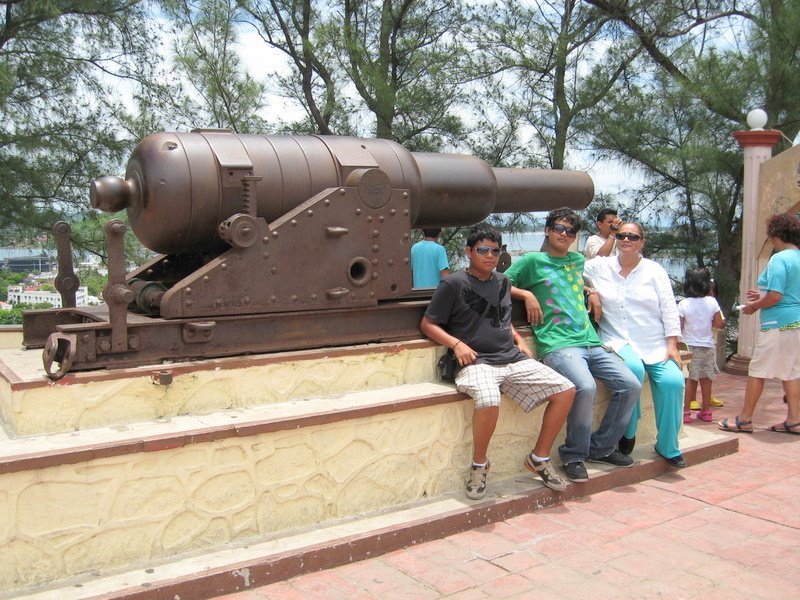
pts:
pixel 634 237
pixel 484 250
pixel 559 228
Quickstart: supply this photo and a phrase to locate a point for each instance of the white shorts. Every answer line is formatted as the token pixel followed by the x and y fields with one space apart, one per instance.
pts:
pixel 527 382
pixel 776 355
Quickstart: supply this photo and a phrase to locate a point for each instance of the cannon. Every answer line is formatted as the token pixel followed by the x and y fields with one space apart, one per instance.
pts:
pixel 270 243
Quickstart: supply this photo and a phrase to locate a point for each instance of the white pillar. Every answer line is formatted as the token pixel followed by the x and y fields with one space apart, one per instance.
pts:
pixel 757 144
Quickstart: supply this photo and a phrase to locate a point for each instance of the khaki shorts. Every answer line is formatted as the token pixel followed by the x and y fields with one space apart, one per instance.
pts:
pixel 527 382
pixel 704 363
pixel 776 355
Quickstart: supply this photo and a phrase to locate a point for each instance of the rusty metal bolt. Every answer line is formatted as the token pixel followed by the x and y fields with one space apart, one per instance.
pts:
pixel 162 377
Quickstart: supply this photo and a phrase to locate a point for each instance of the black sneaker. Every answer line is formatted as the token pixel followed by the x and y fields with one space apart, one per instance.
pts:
pixel 576 471
pixel 616 458
pixel 626 444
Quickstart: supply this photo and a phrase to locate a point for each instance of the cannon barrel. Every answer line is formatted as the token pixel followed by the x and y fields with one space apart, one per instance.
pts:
pixel 179 187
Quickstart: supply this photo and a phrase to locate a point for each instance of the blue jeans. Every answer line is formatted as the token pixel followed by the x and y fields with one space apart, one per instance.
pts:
pixel 582 365
pixel 666 385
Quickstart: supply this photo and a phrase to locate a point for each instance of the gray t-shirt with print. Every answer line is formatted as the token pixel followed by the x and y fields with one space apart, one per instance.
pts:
pixel 479 314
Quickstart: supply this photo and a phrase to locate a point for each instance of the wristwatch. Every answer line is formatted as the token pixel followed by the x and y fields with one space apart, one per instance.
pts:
pixel 614 228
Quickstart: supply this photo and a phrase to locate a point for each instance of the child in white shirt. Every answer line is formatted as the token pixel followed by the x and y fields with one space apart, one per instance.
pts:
pixel 699 313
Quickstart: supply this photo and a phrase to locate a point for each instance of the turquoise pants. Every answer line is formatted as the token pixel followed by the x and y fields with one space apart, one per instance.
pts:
pixel 666 386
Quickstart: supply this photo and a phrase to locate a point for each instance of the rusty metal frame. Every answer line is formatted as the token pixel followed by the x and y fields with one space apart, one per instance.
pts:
pixel 154 340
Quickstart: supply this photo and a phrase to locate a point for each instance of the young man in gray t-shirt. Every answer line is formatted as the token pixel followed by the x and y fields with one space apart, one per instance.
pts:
pixel 470 313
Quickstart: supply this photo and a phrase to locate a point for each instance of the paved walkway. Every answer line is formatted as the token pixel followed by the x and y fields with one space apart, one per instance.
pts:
pixel 728 528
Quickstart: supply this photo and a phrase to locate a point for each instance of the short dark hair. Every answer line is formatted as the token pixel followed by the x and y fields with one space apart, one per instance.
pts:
pixel 563 214
pixel 785 226
pixel 483 231
pixel 697 283
pixel 601 216
pixel 432 232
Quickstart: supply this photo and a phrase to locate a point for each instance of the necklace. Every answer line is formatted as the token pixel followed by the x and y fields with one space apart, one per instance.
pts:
pixel 489 278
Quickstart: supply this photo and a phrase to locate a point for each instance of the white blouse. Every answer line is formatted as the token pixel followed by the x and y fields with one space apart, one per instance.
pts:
pixel 639 309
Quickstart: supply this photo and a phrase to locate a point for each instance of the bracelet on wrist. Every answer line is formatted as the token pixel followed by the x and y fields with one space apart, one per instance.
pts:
pixel 456 344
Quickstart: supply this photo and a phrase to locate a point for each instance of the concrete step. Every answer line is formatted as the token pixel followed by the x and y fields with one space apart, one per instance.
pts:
pixel 49 450
pixel 31 404
pixel 274 558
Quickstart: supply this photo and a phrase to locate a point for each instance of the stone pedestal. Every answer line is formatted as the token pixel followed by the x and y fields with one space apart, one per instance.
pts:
pixel 263 467
pixel 737 365
pixel 104 470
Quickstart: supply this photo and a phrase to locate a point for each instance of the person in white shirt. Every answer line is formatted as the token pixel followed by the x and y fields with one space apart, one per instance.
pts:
pixel 640 322
pixel 699 313
pixel 603 244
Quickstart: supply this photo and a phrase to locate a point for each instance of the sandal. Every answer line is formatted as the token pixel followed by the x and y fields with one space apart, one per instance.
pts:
pixel 705 415
pixel 687 417
pixel 786 427
pixel 740 426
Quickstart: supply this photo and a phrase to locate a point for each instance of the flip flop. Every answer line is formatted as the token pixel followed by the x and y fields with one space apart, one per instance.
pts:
pixel 786 427
pixel 738 427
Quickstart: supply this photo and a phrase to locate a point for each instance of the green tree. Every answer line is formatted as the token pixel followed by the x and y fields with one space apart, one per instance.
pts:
pixel 388 69
pixel 728 54
pixel 294 30
pixel 63 64
pixel 8 278
pixel 14 316
pixel 404 58
pixel 542 64
pixel 691 165
pixel 206 55
pixel 89 238
pixel 707 64
pixel 93 280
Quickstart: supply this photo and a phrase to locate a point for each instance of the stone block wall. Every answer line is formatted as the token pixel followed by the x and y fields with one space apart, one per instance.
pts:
pixel 112 512
pixel 143 507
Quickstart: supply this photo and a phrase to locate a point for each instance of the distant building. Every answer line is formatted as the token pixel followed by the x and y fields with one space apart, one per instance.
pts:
pixel 19 294
pixel 28 264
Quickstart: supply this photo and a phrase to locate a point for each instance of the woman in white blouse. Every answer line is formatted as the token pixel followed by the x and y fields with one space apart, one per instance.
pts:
pixel 640 322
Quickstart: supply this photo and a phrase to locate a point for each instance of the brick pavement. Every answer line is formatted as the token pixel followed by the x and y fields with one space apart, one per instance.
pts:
pixel 728 528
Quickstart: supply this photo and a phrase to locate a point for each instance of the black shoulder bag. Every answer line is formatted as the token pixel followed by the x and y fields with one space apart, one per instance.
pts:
pixel 447 366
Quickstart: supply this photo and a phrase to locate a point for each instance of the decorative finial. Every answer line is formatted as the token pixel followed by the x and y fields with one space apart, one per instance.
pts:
pixel 756 119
